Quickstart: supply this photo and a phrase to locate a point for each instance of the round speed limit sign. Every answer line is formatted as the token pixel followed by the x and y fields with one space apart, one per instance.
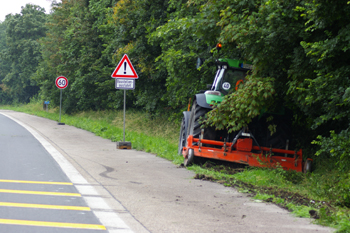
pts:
pixel 61 82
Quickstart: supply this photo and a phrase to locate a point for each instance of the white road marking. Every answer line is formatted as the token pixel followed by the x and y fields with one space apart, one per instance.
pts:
pixel 110 219
pixel 97 203
pixel 87 190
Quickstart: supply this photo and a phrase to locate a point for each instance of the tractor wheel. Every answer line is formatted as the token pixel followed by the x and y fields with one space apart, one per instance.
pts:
pixel 194 127
pixel 183 136
pixel 307 166
pixel 190 158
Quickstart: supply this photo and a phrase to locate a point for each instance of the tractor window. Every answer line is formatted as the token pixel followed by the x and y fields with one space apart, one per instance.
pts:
pixel 228 82
pixel 218 77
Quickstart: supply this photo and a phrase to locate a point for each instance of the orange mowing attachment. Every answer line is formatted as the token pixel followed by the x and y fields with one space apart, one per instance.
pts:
pixel 244 152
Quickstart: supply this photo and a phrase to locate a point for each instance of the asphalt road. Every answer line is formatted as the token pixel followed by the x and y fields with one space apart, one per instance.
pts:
pixel 35 194
pixel 125 190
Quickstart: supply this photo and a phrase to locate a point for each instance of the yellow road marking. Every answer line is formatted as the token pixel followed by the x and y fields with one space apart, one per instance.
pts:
pixel 39 193
pixel 52 224
pixel 35 182
pixel 40 206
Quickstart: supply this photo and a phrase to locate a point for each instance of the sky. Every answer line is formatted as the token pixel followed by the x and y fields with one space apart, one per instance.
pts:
pixel 14 6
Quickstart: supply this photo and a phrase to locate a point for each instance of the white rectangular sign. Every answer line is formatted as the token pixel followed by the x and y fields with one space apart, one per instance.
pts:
pixel 126 84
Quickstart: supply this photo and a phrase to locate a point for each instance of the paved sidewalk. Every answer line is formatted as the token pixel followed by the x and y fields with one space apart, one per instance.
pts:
pixel 153 195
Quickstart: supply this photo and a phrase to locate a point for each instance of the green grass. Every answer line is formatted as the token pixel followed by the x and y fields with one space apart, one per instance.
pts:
pixel 324 190
pixel 146 134
pixel 298 210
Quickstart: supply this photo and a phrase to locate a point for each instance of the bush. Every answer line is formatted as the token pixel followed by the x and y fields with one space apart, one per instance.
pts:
pixel 338 147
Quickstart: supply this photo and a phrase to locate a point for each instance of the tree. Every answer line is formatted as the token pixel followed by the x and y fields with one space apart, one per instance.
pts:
pixel 73 48
pixel 190 33
pixel 300 50
pixel 132 22
pixel 22 51
pixel 86 39
pixel 326 95
pixel 4 65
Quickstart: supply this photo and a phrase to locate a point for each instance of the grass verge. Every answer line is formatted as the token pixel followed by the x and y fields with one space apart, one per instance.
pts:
pixel 311 195
pixel 161 140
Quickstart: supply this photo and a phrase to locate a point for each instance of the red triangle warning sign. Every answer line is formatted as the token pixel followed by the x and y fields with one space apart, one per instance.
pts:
pixel 125 69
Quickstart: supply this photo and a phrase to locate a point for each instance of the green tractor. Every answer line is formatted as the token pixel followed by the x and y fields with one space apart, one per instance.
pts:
pixel 229 76
pixel 250 145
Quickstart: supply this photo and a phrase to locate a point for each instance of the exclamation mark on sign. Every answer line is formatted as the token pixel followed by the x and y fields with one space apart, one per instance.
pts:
pixel 125 67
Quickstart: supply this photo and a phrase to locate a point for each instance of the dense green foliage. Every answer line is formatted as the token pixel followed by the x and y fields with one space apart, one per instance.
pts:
pixel 4 65
pixel 21 53
pixel 299 49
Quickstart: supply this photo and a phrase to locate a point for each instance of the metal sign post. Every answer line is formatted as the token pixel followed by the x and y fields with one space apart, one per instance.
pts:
pixel 125 84
pixel 59 121
pixel 125 76
pixel 61 82
pixel 124 115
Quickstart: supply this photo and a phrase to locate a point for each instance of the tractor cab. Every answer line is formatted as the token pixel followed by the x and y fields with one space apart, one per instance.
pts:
pixel 230 74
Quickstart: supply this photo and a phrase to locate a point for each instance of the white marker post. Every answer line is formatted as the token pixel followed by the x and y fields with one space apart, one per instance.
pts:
pixel 61 83
pixel 125 76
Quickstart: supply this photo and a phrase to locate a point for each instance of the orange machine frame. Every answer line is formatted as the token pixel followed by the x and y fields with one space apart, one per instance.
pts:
pixel 244 152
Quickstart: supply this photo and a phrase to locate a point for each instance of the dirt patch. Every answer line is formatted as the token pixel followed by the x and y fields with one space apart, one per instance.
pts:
pixel 287 196
pixel 204 177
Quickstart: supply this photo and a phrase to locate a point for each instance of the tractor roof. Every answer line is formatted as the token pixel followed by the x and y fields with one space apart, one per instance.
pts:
pixel 234 63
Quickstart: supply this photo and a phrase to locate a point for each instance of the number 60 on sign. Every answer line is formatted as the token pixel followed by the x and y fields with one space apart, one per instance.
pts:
pixel 61 82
